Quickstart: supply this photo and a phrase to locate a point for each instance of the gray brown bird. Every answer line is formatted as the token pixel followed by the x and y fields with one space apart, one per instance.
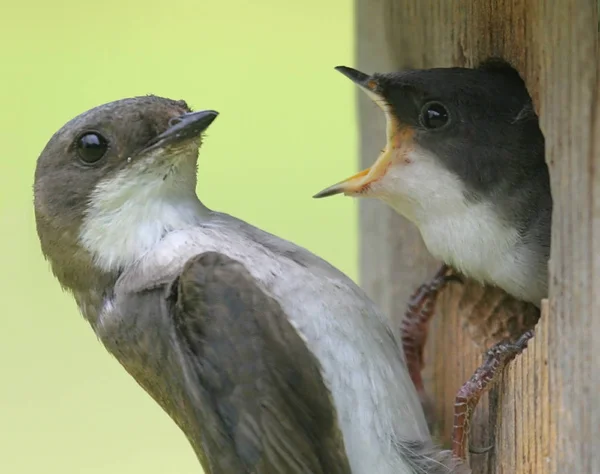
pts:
pixel 268 358
pixel 464 161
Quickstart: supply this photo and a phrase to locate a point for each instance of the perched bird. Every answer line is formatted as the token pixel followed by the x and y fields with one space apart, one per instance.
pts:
pixel 268 358
pixel 464 161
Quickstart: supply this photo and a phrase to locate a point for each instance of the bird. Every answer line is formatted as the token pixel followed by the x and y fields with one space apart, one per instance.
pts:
pixel 464 162
pixel 268 358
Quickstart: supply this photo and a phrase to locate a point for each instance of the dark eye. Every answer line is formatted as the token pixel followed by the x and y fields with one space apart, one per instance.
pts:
pixel 91 147
pixel 434 115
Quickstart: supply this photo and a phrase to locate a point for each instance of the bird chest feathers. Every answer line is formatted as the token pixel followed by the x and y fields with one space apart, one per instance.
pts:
pixel 473 240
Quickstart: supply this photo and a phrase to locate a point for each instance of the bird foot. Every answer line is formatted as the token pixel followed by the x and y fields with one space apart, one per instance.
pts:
pixel 496 359
pixel 415 326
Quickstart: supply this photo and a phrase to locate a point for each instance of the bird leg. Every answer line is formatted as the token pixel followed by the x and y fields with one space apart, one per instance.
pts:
pixel 496 359
pixel 415 326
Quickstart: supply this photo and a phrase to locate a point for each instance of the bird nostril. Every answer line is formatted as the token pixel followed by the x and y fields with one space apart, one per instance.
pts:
pixel 174 121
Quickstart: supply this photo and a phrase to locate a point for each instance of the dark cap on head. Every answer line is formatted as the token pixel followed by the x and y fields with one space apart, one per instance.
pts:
pixel 479 123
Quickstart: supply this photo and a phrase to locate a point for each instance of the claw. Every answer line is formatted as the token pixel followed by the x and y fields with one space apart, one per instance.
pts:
pixel 454 277
pixel 482 450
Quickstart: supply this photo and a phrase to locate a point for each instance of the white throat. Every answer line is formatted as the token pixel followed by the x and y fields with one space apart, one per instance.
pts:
pixel 130 213
pixel 466 235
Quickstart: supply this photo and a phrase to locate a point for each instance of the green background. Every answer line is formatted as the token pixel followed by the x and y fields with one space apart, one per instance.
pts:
pixel 286 130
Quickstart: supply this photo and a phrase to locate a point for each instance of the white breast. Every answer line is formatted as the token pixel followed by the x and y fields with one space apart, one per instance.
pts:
pixel 476 242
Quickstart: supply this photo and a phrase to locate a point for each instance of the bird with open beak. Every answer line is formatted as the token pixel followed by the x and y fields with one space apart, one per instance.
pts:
pixel 463 161
pixel 269 359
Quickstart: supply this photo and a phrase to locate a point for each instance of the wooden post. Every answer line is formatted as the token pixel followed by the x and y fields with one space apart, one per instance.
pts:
pixel 544 415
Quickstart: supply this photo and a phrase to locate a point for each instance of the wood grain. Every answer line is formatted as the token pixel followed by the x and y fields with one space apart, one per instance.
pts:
pixel 571 122
pixel 524 430
pixel 544 416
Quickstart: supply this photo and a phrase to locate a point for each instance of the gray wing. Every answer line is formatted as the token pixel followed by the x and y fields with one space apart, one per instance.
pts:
pixel 265 407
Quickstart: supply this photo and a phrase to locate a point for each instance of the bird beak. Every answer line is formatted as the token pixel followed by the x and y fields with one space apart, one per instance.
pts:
pixel 367 83
pixel 360 182
pixel 184 127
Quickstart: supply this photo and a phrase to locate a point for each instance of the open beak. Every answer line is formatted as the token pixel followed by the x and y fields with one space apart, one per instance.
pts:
pixel 184 127
pixel 361 181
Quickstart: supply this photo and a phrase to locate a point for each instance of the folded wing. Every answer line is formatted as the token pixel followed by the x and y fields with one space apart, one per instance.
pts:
pixel 260 392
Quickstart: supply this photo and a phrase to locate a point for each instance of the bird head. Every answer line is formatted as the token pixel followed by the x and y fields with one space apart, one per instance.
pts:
pixel 452 135
pixel 114 179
